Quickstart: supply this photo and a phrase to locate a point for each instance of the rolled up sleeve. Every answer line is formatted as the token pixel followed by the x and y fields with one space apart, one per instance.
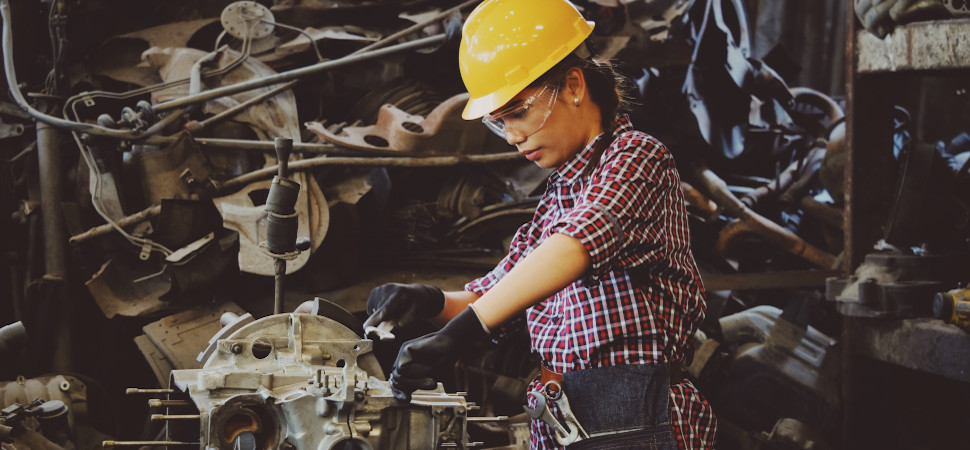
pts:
pixel 618 210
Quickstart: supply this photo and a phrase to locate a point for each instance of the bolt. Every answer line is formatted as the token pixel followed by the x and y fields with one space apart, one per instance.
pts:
pixel 65 386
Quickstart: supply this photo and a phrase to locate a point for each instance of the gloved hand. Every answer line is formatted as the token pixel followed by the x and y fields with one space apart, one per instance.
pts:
pixel 420 358
pixel 403 304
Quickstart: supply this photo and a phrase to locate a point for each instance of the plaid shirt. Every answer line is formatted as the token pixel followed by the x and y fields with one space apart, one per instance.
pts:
pixel 643 299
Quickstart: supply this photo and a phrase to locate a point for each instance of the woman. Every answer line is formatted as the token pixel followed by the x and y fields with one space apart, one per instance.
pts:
pixel 603 271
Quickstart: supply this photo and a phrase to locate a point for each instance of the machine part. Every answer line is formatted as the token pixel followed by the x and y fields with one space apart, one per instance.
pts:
pixel 406 94
pixel 308 382
pixel 313 163
pixel 115 294
pixel 297 73
pixel 247 20
pixel 173 342
pixel 163 173
pixel 195 127
pixel 64 389
pixel 241 214
pixel 891 284
pixel 101 230
pixel 953 307
pixel 12 337
pixel 382 331
pixel 750 221
pixel 8 130
pixel 230 323
pixel 241 211
pixel 879 17
pixel 656 17
pixel 775 369
pixel 50 176
pixel 281 241
pixel 442 132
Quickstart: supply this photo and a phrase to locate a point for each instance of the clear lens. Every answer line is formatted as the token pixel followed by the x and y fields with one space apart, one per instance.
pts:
pixel 525 117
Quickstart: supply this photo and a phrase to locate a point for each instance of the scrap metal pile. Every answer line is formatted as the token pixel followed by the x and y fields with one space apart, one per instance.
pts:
pixel 139 159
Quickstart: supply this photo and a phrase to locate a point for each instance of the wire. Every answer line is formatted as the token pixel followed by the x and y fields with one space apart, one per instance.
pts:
pixel 290 27
pixel 99 207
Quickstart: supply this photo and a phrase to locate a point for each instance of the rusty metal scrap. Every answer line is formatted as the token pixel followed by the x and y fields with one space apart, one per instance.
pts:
pixel 750 221
pixel 442 132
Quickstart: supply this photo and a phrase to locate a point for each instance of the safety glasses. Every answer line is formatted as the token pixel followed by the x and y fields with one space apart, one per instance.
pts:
pixel 524 117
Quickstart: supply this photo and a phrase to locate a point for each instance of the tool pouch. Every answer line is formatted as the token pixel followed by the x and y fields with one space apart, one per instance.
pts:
pixel 624 403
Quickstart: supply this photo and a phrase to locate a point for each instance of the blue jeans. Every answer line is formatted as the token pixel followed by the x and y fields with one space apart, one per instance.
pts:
pixel 621 407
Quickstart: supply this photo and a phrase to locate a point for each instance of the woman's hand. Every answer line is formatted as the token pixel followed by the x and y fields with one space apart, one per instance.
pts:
pixel 425 356
pixel 402 304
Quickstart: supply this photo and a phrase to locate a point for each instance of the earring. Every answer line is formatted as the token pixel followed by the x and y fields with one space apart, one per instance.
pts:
pixel 576 101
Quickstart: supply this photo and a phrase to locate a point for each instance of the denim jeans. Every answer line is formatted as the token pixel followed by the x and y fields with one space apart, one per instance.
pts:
pixel 624 406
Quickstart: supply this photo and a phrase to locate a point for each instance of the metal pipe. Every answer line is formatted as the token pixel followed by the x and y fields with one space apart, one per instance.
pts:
pixel 49 166
pixel 130 391
pixel 195 127
pixel 267 146
pixel 176 417
pixel 416 26
pixel 313 163
pixel 749 220
pixel 100 230
pixel 297 73
pixel 159 403
pixel 145 443
pixel 280 274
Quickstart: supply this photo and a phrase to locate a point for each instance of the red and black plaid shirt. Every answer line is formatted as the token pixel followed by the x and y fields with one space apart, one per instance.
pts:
pixel 628 214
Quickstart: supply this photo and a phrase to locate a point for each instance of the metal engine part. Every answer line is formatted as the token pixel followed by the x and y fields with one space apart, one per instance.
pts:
pixel 305 381
pixel 42 413
pixel 766 369
pixel 890 284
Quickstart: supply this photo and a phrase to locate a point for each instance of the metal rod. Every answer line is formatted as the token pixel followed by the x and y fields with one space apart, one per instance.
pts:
pixel 297 73
pixel 159 403
pixel 100 230
pixel 130 391
pixel 176 416
pixel 416 27
pixel 312 163
pixel 49 166
pixel 144 443
pixel 194 127
pixel 280 274
pixel 489 419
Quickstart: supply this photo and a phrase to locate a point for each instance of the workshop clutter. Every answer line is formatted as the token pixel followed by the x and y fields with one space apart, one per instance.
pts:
pixel 144 191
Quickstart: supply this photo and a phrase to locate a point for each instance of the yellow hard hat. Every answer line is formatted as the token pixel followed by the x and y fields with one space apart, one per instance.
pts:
pixel 508 44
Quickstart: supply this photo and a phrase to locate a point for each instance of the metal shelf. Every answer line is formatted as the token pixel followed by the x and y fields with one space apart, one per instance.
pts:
pixel 933 45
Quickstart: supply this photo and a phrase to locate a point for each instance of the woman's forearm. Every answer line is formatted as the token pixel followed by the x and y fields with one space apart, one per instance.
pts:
pixel 455 303
pixel 553 265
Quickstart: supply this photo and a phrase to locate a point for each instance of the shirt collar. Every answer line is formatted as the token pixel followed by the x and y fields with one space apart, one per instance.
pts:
pixel 571 170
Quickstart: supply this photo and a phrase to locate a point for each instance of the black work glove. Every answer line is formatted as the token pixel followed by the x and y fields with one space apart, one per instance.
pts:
pixel 403 304
pixel 421 358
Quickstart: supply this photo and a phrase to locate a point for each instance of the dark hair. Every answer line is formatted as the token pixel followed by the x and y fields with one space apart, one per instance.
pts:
pixel 609 89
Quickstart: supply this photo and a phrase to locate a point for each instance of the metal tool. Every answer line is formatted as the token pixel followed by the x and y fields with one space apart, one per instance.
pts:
pixel 543 413
pixel 554 392
pixel 382 331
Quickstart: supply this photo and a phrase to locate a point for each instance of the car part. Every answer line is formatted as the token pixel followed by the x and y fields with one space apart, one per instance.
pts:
pixel 306 382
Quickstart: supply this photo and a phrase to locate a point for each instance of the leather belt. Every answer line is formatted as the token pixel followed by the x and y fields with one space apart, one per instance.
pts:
pixel 674 368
